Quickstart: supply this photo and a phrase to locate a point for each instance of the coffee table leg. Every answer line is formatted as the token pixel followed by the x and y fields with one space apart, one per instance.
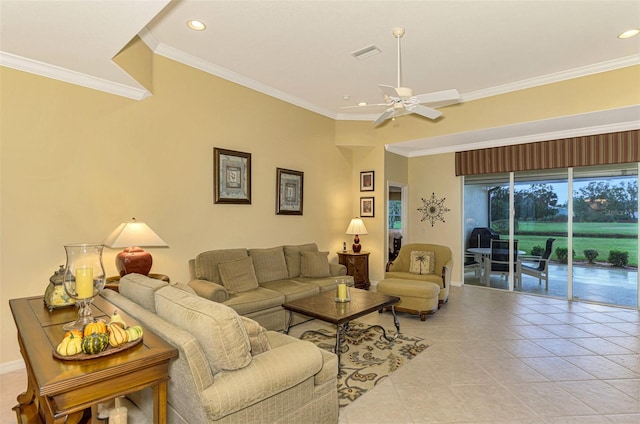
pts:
pixel 395 322
pixel 340 330
pixel 289 321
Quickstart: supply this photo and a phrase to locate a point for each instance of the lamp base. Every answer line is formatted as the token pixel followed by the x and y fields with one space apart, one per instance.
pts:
pixel 356 248
pixel 133 260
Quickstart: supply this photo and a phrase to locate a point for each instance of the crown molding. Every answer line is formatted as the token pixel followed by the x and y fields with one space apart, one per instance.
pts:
pixel 583 71
pixel 613 120
pixel 62 74
pixel 224 73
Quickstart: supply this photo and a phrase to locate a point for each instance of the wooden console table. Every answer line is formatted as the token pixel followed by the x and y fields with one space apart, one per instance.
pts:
pixel 57 388
pixel 357 266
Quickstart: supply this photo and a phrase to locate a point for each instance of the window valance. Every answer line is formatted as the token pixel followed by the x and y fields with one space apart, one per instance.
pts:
pixel 600 149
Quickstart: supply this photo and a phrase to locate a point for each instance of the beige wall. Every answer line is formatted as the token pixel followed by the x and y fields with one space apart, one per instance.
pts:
pixel 77 162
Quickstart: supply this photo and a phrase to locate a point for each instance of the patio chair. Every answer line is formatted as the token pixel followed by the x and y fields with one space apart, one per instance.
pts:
pixel 472 265
pixel 538 266
pixel 499 260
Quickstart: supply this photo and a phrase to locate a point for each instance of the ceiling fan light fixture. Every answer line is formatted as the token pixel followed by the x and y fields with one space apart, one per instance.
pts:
pixel 196 25
pixel 629 33
pixel 366 52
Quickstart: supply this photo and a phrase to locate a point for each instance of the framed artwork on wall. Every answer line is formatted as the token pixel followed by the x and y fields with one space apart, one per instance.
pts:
pixel 231 177
pixel 289 192
pixel 367 181
pixel 367 207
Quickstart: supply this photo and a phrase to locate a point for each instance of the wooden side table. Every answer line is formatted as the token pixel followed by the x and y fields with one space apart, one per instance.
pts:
pixel 57 389
pixel 357 266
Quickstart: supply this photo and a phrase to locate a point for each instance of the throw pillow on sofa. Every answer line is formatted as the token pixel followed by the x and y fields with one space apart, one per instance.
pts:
pixel 238 276
pixel 269 264
pixel 422 262
pixel 314 264
pixel 257 336
pixel 206 263
pixel 292 257
pixel 218 328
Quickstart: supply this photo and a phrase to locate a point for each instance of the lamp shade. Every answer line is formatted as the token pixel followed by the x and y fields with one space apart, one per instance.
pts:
pixel 133 235
pixel 356 227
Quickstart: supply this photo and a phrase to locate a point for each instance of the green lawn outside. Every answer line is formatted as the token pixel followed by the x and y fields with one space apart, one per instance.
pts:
pixel 602 244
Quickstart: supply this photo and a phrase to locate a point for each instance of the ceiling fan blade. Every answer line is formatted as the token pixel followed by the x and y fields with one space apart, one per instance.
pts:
pixel 439 96
pixel 385 115
pixel 389 90
pixel 424 111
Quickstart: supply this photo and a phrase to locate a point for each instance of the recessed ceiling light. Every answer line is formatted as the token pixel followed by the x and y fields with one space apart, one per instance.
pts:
pixel 630 33
pixel 196 25
pixel 362 104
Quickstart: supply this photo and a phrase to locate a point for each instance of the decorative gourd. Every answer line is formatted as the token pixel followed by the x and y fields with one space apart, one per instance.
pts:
pixel 117 334
pixel 134 332
pixel 98 326
pixel 70 345
pixel 95 343
pixel 116 317
pixel 76 333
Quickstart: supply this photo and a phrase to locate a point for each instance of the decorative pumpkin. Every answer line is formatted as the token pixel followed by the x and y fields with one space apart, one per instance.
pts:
pixel 70 345
pixel 117 334
pixel 97 326
pixel 95 343
pixel 134 332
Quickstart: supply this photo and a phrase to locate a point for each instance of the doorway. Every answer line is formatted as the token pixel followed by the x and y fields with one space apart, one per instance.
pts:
pixel 396 218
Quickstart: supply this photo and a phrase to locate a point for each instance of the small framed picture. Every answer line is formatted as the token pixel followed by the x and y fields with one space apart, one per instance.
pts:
pixel 367 207
pixel 367 181
pixel 289 192
pixel 231 176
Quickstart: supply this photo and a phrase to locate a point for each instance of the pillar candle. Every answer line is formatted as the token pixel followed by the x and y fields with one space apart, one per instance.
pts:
pixel 84 282
pixel 342 291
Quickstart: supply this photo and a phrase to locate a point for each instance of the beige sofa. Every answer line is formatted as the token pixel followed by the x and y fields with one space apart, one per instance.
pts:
pixel 256 282
pixel 229 369
pixel 400 267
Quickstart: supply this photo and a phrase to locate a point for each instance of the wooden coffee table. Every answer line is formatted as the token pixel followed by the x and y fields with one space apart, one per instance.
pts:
pixel 59 388
pixel 324 307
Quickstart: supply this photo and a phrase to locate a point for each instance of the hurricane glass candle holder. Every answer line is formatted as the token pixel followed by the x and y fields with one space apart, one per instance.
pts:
pixel 83 279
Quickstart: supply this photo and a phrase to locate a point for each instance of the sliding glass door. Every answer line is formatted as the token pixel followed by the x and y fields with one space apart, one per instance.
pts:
pixel 576 232
pixel 605 235
pixel 541 214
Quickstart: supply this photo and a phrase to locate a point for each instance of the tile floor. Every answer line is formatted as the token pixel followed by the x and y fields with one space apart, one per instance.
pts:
pixel 497 357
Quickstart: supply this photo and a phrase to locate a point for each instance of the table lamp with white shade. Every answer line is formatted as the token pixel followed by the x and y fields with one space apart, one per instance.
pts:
pixel 133 235
pixel 356 228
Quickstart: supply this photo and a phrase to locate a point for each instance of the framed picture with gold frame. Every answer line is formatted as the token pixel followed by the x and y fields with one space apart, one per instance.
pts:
pixel 289 192
pixel 231 177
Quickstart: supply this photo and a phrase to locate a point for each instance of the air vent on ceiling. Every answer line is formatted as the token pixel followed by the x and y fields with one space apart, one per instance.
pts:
pixel 366 52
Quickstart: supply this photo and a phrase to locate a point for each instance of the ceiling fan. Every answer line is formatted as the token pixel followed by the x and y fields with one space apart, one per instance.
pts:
pixel 401 101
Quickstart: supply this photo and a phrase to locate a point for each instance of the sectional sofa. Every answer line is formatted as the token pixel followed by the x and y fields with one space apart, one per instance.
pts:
pixel 256 282
pixel 229 369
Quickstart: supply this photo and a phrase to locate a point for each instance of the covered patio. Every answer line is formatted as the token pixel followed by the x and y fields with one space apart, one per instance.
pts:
pixel 614 286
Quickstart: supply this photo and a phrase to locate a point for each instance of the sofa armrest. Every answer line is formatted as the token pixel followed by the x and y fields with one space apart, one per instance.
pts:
pixel 209 290
pixel 268 374
pixel 336 270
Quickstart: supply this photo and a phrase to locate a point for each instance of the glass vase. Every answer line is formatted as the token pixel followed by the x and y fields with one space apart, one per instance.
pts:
pixel 83 279
pixel 342 291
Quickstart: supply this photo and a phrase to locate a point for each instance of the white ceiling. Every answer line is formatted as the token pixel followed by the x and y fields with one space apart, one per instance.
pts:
pixel 300 51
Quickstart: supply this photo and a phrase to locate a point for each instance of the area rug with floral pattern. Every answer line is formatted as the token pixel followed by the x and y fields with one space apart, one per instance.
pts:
pixel 367 356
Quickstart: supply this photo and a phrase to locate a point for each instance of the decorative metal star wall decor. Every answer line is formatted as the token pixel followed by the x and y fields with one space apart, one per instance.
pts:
pixel 432 209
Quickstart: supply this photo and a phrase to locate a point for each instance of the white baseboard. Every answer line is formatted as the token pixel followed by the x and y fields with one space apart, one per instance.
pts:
pixel 11 366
